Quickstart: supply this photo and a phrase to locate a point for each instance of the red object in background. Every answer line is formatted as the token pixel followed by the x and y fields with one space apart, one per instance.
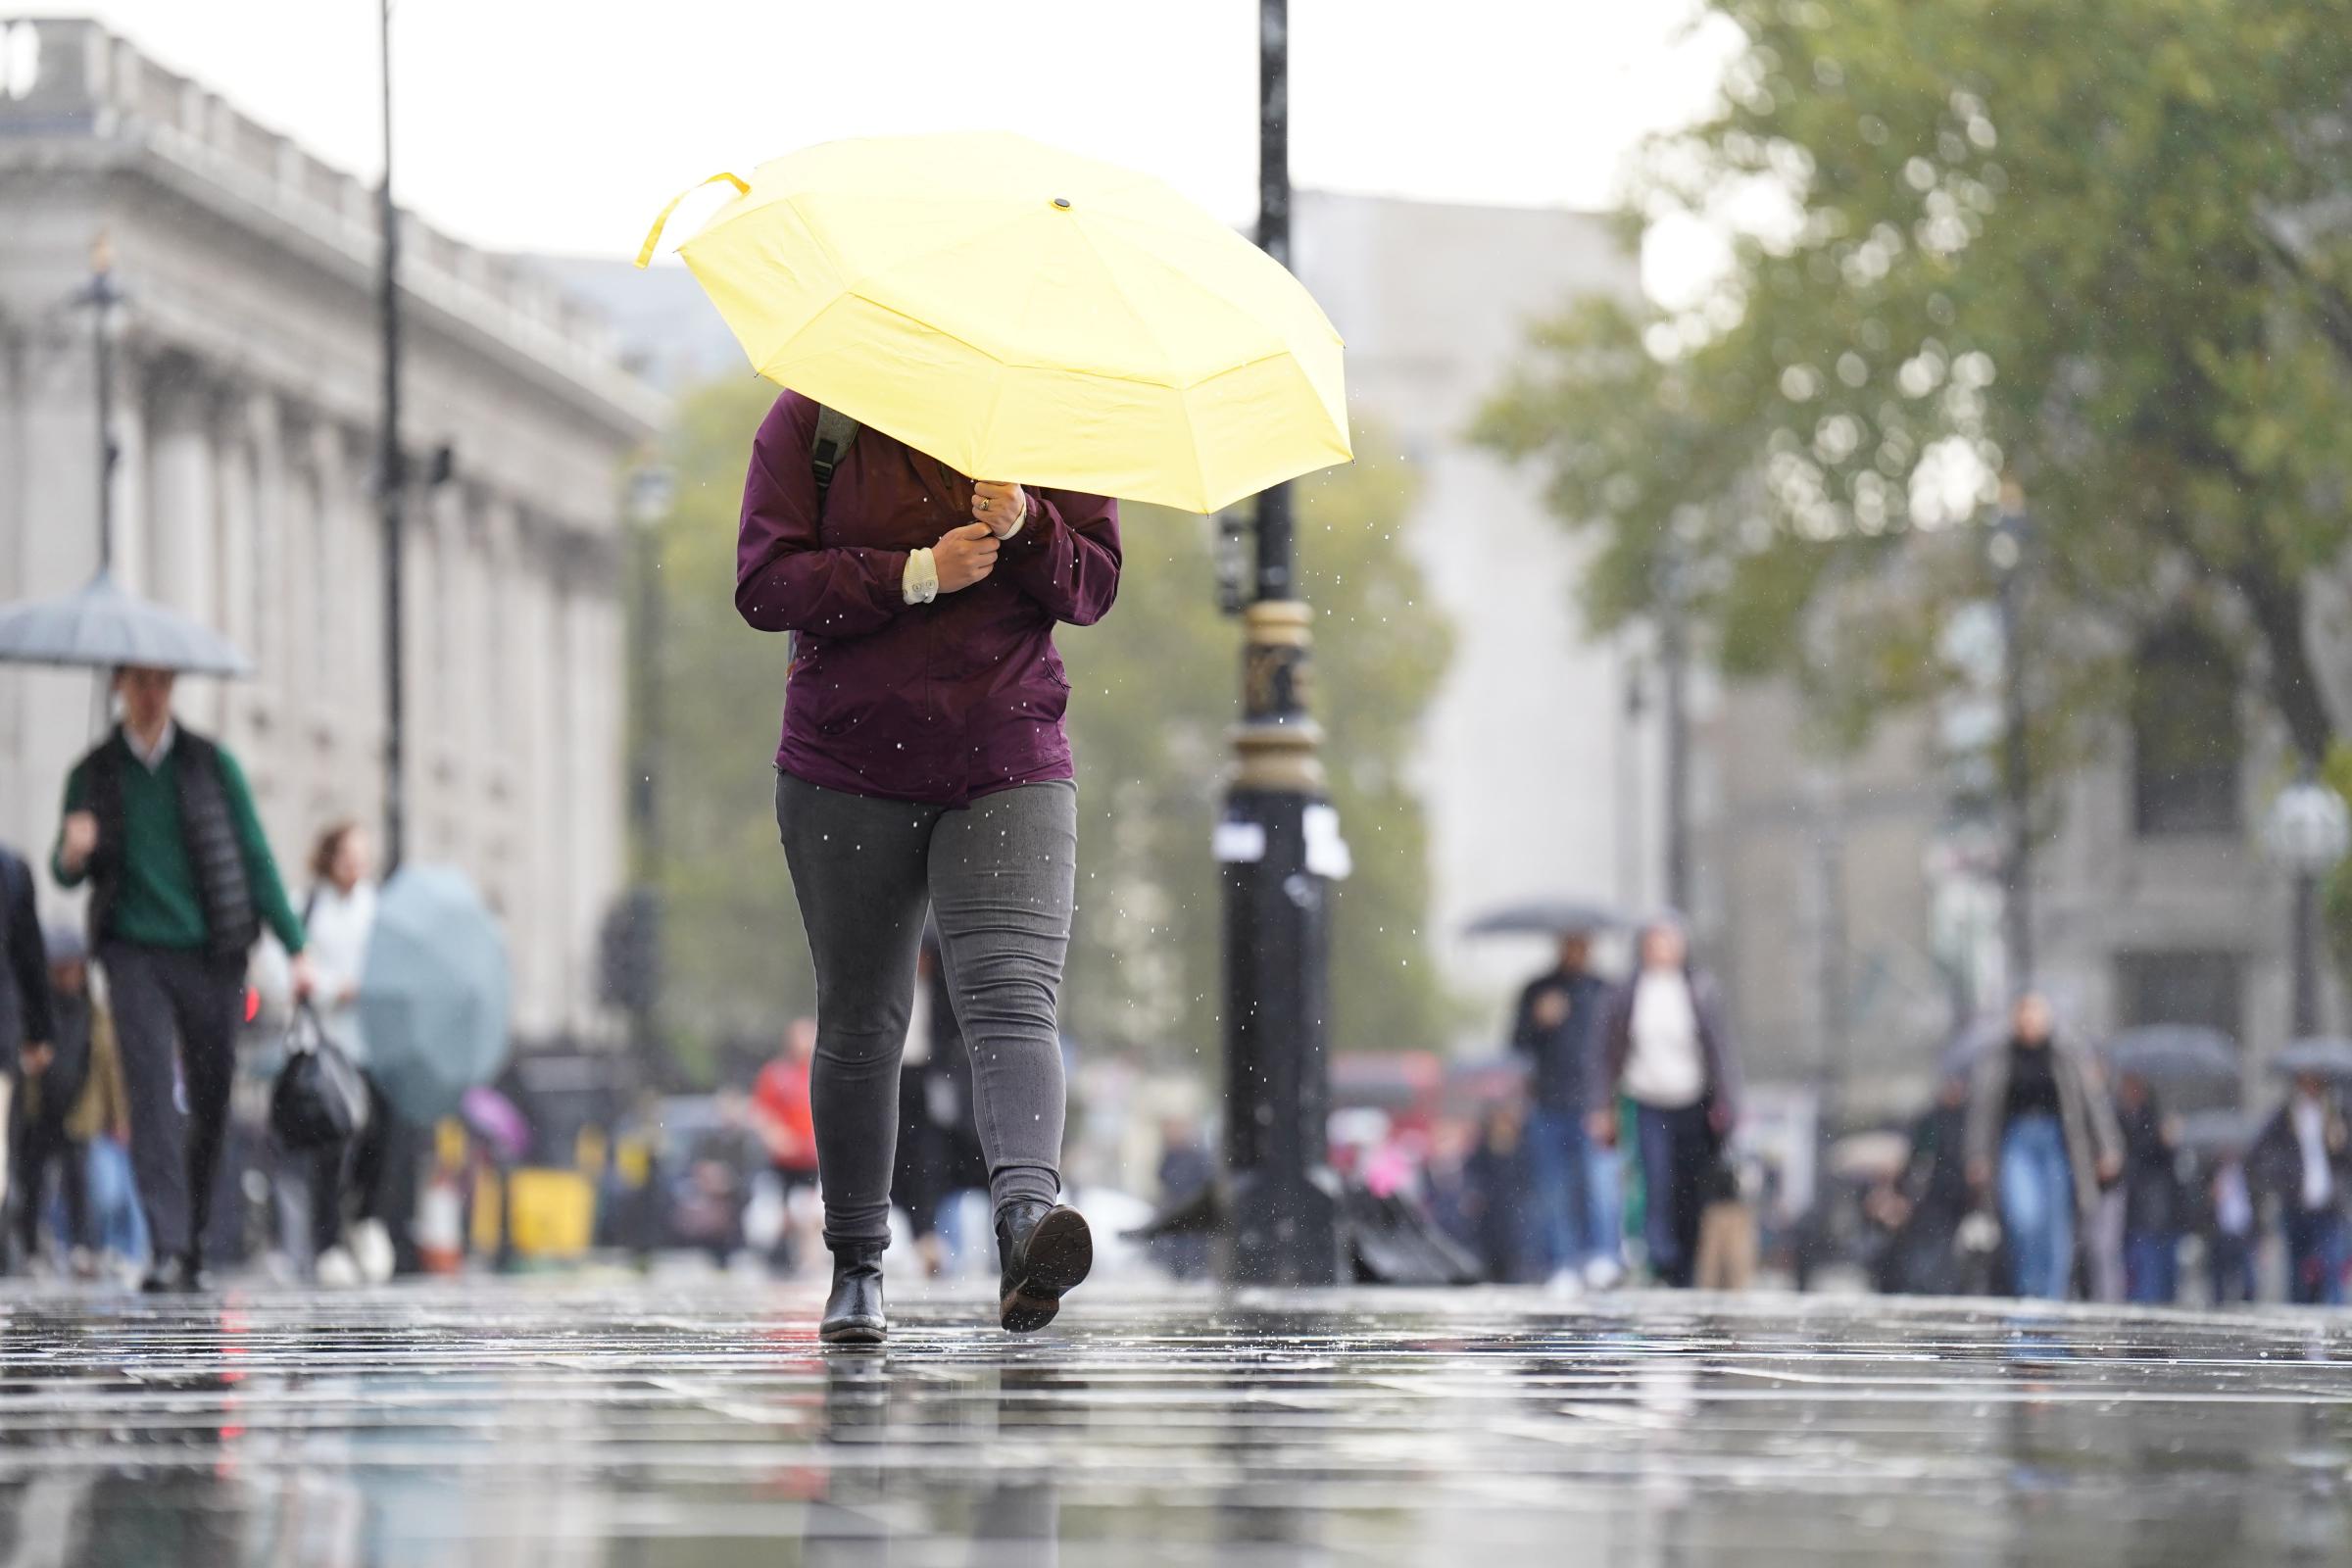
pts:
pixel 780 1106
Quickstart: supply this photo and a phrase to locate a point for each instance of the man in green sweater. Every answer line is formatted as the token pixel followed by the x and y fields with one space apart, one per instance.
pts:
pixel 160 823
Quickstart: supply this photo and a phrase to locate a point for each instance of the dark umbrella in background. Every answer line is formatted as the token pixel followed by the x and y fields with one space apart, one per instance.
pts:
pixel 1547 918
pixel 2326 1057
pixel 2212 1135
pixel 2175 1053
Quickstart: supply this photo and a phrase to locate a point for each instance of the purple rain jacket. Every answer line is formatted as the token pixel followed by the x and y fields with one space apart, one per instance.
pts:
pixel 939 703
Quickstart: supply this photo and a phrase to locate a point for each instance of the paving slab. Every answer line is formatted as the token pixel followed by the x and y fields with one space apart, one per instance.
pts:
pixel 580 1424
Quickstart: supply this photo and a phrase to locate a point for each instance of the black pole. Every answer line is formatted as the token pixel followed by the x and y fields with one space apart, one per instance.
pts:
pixel 1673 659
pixel 2016 914
pixel 102 297
pixel 391 491
pixel 2307 968
pixel 1281 1198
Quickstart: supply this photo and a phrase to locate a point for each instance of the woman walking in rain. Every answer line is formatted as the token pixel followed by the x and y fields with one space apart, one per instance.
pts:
pixel 923 762
pixel 2043 1140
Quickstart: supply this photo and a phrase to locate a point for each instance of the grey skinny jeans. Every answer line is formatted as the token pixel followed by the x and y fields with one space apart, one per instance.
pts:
pixel 998 876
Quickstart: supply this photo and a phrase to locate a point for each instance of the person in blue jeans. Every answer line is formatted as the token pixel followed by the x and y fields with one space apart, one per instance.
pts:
pixel 2303 1159
pixel 2042 1139
pixel 1573 1220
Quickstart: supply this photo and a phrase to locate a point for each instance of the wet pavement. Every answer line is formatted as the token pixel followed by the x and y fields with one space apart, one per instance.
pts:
pixel 574 1426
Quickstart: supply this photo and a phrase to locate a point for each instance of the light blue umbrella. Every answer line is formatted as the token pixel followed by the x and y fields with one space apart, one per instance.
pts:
pixel 102 625
pixel 433 991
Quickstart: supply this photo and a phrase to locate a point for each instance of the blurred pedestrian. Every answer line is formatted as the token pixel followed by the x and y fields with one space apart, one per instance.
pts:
pixel 785 1123
pixel 1930 1201
pixel 919 1181
pixel 159 821
pixel 1725 1253
pixel 25 1027
pixel 1556 1028
pixel 350 1240
pixel 1186 1171
pixel 1502 1177
pixel 913 592
pixel 2040 1125
pixel 2153 1202
pixel 1665 1047
pixel 73 1097
pixel 2304 1160
pixel 2229 1231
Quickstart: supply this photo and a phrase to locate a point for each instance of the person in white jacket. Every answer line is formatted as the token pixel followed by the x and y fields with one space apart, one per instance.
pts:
pixel 339 915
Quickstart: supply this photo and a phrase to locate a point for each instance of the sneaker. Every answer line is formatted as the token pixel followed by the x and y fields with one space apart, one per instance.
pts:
pixel 336 1270
pixel 372 1247
pixel 1565 1282
pixel 1604 1274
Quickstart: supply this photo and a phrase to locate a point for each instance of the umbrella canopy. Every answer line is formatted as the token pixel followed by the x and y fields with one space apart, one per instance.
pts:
pixel 103 626
pixel 2175 1053
pixel 2212 1134
pixel 2328 1056
pixel 1959 1058
pixel 433 991
pixel 1026 314
pixel 1869 1156
pixel 495 1118
pixel 1549 918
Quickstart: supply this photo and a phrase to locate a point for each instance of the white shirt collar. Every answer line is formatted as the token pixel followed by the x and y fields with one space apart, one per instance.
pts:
pixel 152 759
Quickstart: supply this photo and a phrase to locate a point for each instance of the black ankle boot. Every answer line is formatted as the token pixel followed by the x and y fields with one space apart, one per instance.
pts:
pixel 1045 1250
pixel 854 1312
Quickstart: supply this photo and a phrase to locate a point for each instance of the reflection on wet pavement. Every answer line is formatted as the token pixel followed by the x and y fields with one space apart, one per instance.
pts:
pixel 658 1425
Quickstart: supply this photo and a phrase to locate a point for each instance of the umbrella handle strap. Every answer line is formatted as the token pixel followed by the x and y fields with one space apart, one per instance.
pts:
pixel 653 235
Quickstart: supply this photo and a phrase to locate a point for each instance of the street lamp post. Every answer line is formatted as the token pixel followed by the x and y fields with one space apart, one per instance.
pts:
pixel 2008 551
pixel 1279 844
pixel 391 481
pixel 2309 831
pixel 102 297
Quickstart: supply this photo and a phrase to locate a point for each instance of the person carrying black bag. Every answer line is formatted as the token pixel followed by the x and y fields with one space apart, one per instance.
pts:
pixel 160 823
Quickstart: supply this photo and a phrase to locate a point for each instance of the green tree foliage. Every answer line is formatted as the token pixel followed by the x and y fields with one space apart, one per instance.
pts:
pixel 2096 245
pixel 1153 700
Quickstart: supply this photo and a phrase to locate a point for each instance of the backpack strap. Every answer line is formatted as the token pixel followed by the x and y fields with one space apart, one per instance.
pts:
pixel 836 433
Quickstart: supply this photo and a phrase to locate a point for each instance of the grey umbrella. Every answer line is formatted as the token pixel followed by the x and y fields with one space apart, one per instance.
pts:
pixel 103 626
pixel 2326 1055
pixel 2212 1134
pixel 2175 1053
pixel 1549 918
pixel 433 991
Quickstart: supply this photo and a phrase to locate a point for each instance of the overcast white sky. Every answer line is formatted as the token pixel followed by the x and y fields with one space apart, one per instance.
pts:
pixel 538 125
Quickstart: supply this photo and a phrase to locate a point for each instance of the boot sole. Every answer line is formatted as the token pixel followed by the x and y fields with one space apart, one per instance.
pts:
pixel 860 1331
pixel 1060 1251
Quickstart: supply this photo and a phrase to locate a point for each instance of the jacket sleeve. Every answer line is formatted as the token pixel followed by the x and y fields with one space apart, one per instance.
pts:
pixel 26 958
pixel 1605 1061
pixel 1987 1086
pixel 77 796
pixel 261 866
pixel 785 578
pixel 1523 1022
pixel 2106 1132
pixel 1066 556
pixel 1707 1003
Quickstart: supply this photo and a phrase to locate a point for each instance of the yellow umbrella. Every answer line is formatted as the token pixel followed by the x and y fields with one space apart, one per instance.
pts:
pixel 1024 315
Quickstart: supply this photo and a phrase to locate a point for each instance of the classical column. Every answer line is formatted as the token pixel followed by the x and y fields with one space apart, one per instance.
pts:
pixel 183 514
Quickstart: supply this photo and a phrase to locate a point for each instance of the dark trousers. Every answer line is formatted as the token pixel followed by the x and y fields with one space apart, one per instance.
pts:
pixel 2151 1267
pixel 346 1180
pixel 2229 1267
pixel 41 1142
pixel 175 1017
pixel 2315 1256
pixel 1677 1148
pixel 997 876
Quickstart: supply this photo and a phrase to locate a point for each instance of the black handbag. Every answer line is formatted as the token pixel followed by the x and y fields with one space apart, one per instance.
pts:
pixel 320 1099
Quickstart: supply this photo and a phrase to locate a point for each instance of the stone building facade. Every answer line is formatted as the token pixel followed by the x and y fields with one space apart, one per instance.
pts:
pixel 246 374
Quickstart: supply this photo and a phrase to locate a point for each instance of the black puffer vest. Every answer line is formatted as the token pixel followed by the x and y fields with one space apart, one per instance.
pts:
pixel 231 925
